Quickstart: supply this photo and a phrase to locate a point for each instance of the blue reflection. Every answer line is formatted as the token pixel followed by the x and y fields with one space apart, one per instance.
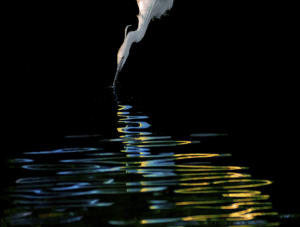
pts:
pixel 137 178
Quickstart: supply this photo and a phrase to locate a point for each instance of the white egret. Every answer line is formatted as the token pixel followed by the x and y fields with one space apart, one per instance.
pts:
pixel 148 9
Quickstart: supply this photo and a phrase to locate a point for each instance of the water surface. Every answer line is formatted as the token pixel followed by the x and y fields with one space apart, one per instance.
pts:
pixel 135 177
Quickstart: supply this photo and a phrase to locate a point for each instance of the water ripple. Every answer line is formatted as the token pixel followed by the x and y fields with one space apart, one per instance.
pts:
pixel 153 179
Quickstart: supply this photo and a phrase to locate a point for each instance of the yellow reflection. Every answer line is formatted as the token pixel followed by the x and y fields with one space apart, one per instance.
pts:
pixel 142 138
pixel 194 184
pixel 214 177
pixel 169 143
pixel 123 107
pixel 218 192
pixel 201 168
pixel 243 194
pixel 132 132
pixel 224 192
pixel 235 203
pixel 195 155
pixel 251 183
pixel 244 215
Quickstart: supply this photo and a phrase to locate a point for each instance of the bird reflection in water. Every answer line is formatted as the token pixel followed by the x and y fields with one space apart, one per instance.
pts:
pixel 140 177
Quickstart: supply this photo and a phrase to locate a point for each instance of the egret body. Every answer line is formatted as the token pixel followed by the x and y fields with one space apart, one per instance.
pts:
pixel 148 9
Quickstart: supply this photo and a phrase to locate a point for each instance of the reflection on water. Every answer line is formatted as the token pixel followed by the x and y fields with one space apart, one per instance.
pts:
pixel 138 178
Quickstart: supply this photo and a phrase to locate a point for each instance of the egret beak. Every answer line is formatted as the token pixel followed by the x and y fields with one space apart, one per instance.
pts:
pixel 116 77
pixel 119 67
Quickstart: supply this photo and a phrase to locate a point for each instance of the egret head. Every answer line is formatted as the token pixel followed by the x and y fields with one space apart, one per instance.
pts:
pixel 122 55
pixel 125 48
pixel 123 52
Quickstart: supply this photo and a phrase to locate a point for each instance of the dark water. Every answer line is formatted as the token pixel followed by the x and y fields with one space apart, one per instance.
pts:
pixel 135 175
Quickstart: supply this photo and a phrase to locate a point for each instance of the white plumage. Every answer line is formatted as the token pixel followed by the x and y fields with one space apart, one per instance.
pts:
pixel 148 9
pixel 159 7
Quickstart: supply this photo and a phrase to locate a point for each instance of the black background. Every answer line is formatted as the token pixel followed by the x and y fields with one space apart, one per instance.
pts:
pixel 206 67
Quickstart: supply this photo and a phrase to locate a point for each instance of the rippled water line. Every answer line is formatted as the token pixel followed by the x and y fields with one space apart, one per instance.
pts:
pixel 173 187
pixel 243 183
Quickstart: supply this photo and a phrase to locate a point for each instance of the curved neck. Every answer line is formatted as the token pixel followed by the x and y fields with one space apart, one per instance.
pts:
pixel 137 35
